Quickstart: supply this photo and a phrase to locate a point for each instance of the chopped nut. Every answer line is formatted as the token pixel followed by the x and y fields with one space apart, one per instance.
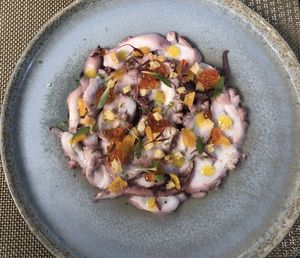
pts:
pixel 188 137
pixel 159 154
pixel 88 121
pixel 109 115
pixel 181 90
pixel 201 121
pixel 157 116
pixel 141 127
pixel 151 56
pixel 117 185
pixel 189 77
pixel 173 75
pixel 189 99
pixel 144 92
pixel 116 166
pixel 170 185
pixel 126 89
pixel 149 133
pixel 200 87
pixel 208 123
pixel 154 65
pixel 176 181
pixel 195 69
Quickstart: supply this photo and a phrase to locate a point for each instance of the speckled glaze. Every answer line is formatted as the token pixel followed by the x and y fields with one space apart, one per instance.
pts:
pixel 257 203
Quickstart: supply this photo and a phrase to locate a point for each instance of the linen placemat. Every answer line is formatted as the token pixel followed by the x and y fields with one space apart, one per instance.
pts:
pixel 19 22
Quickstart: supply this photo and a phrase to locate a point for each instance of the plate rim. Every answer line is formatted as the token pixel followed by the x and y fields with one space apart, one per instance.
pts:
pixel 288 59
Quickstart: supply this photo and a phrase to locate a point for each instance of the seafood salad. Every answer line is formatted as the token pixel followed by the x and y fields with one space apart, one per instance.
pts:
pixel 151 121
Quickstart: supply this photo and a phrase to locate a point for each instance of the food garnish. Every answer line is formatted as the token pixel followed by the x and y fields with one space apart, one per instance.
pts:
pixel 152 121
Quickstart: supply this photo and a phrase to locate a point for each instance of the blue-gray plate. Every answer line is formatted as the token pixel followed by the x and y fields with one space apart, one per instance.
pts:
pixel 257 203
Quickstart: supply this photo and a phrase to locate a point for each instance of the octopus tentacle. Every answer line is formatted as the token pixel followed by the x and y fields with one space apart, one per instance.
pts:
pixel 74 116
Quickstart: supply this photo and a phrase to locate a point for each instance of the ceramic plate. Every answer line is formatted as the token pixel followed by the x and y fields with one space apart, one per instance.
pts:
pixel 247 216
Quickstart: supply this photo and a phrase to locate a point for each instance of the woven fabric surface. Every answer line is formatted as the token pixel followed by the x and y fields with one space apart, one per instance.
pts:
pixel 19 21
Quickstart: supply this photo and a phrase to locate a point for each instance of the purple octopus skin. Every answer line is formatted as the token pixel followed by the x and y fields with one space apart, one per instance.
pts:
pixel 96 173
pixel 84 82
pixel 73 110
pixel 164 205
pixel 229 103
pixel 91 141
pixel 131 109
pixel 73 151
pixel 92 63
pixel 89 94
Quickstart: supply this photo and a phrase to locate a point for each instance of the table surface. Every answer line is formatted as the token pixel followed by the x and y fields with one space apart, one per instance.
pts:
pixel 19 21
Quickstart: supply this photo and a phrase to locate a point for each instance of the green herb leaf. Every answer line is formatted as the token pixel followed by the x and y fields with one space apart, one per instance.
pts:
pixel 138 149
pixel 63 125
pixel 154 164
pixel 218 88
pixel 149 169
pixel 159 77
pixel 200 145
pixel 153 169
pixel 159 178
pixel 103 98
pixel 84 130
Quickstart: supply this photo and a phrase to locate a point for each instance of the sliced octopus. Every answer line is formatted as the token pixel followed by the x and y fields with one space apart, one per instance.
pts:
pixel 151 121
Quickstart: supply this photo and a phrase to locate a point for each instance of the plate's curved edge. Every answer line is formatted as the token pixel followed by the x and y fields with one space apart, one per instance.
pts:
pixel 278 231
pixel 288 217
pixel 35 229
pixel 271 36
pixel 263 28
